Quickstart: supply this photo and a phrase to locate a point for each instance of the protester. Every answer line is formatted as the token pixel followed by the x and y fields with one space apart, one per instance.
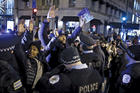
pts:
pixel 37 65
pixel 57 43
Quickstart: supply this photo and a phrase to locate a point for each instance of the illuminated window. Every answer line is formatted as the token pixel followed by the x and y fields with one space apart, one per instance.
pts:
pixel 27 22
pixel 2 6
pixel 6 7
pixel 9 7
pixel 10 25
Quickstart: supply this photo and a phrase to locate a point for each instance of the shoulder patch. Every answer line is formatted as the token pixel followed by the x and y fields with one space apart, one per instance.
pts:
pixel 54 79
pixel 17 84
pixel 126 78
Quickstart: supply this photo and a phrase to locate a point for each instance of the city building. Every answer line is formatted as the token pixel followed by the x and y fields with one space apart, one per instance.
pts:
pixel 105 12
pixel 7 12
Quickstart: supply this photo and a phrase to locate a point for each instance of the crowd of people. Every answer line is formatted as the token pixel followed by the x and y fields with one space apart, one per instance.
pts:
pixel 54 61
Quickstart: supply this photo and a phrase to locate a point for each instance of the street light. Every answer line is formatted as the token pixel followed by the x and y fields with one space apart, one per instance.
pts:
pixel 124 19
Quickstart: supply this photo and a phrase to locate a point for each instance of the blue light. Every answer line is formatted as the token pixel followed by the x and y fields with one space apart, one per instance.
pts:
pixel 123 18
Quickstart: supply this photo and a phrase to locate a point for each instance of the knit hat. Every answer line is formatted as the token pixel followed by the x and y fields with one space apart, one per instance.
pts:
pixel 70 55
pixel 87 40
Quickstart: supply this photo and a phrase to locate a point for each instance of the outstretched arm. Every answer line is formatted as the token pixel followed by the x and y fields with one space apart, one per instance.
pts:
pixel 76 32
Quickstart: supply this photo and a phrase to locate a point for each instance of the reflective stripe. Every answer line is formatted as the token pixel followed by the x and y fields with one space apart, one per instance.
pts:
pixel 7 49
pixel 81 66
pixel 17 85
pixel 86 52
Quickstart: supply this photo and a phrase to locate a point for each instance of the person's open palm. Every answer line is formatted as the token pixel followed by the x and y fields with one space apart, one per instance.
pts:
pixel 52 12
pixel 31 26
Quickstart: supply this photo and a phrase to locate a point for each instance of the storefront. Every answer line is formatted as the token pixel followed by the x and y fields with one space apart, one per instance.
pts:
pixel 95 25
pixel 126 30
pixel 70 23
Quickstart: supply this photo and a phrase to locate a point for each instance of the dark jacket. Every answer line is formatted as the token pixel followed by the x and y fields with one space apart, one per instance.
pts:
pixel 93 59
pixel 10 81
pixel 70 81
pixel 129 80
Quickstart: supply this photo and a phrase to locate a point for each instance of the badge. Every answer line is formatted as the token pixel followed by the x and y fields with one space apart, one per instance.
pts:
pixel 54 79
pixel 17 84
pixel 126 78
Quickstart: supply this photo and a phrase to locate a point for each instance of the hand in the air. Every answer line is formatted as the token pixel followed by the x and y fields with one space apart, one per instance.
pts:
pixel 52 12
pixel 31 26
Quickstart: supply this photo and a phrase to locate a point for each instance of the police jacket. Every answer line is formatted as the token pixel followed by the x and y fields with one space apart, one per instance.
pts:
pixel 10 82
pixel 84 80
pixel 93 60
pixel 129 80
pixel 90 57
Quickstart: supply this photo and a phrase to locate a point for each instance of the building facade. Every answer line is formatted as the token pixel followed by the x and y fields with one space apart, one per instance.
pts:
pixel 104 11
pixel 6 11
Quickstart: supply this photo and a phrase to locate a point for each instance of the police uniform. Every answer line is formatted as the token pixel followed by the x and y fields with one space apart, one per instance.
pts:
pixel 77 79
pixel 129 80
pixel 10 81
pixel 88 55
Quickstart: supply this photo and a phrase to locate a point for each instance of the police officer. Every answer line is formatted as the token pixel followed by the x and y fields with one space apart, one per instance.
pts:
pixel 129 80
pixel 72 77
pixel 10 80
pixel 89 56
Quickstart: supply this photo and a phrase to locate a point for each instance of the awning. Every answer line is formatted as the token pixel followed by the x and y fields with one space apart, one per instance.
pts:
pixel 126 26
pixel 95 22
pixel 6 15
pixel 115 24
pixel 70 18
pixel 25 17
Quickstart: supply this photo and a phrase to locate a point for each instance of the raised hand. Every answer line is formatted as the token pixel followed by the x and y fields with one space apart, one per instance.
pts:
pixel 31 26
pixel 52 12
pixel 56 32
